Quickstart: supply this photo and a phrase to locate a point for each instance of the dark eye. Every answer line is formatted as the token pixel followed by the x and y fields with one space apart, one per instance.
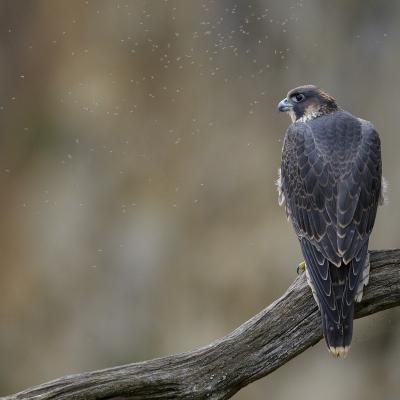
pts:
pixel 297 98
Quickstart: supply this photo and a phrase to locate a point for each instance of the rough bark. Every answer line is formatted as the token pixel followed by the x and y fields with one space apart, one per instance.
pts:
pixel 270 339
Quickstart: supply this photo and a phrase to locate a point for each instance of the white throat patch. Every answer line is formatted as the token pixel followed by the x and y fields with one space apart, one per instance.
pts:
pixel 311 112
pixel 292 115
pixel 309 116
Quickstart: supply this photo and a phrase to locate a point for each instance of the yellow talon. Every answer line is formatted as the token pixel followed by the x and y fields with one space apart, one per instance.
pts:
pixel 301 268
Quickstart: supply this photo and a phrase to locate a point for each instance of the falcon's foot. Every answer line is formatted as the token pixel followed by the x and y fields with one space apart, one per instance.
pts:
pixel 301 267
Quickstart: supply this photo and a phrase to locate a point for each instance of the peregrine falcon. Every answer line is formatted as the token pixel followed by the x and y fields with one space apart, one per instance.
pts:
pixel 330 181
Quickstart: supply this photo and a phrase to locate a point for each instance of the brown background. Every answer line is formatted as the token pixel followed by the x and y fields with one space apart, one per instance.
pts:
pixel 139 147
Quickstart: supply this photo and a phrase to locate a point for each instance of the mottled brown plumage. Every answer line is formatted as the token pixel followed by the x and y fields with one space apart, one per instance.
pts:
pixel 330 180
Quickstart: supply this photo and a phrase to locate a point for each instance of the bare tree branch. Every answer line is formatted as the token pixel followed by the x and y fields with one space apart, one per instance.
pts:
pixel 262 344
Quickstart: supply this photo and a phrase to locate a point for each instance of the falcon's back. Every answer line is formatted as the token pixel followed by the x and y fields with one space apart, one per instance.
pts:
pixel 331 183
pixel 337 138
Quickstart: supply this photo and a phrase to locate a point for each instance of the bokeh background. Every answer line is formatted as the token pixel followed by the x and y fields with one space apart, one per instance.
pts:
pixel 139 146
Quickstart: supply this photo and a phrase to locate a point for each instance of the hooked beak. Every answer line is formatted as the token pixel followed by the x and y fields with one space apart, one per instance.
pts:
pixel 285 105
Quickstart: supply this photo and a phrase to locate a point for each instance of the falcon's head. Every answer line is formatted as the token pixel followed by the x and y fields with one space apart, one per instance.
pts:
pixel 307 102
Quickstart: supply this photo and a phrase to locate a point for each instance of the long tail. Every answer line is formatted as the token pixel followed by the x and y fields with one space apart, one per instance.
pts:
pixel 338 328
pixel 336 289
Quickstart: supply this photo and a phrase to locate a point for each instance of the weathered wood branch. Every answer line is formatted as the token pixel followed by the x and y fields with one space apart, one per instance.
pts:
pixel 264 343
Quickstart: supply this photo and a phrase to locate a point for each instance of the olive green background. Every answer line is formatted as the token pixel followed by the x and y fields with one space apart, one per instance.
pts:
pixel 139 146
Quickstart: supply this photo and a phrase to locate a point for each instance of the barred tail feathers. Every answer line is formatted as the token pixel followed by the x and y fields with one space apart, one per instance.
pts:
pixel 338 331
pixel 338 335
pixel 335 290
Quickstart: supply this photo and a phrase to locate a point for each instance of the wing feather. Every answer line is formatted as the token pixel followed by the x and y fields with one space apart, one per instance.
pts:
pixel 331 179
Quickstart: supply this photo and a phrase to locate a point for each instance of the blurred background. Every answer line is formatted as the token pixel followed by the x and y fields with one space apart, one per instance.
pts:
pixel 139 148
